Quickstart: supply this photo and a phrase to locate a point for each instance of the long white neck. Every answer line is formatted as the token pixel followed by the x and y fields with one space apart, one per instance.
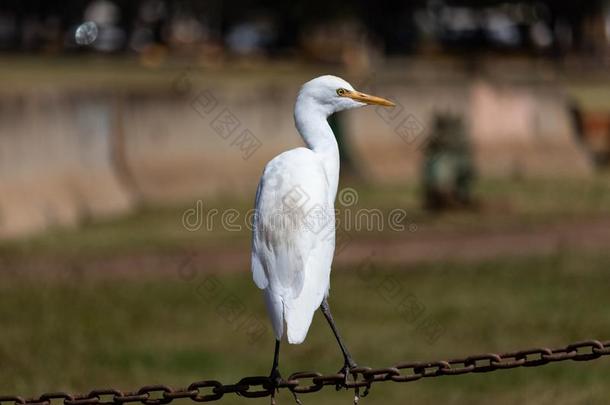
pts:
pixel 311 122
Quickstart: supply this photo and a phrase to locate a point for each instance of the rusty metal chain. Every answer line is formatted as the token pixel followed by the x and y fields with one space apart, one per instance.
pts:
pixel 306 382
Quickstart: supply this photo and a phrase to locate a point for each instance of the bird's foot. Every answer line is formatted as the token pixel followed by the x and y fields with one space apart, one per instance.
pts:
pixel 275 378
pixel 348 366
pixel 276 381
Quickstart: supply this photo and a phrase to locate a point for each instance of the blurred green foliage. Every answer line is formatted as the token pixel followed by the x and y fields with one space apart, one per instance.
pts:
pixel 448 167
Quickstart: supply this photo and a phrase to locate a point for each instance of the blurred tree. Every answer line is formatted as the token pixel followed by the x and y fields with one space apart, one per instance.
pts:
pixel 448 168
pixel 459 25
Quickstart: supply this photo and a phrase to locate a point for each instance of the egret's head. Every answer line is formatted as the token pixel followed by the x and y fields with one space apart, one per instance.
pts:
pixel 332 94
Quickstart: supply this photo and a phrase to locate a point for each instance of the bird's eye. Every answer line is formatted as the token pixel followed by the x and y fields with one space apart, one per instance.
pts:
pixel 341 92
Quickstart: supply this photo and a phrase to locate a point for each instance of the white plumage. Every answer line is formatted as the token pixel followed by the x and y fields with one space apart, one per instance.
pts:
pixel 291 257
pixel 294 225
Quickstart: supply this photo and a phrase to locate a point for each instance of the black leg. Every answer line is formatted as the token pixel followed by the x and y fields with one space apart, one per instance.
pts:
pixel 275 376
pixel 349 362
pixel 275 372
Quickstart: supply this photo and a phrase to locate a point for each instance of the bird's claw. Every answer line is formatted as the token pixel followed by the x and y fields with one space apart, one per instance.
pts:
pixel 346 371
pixel 296 399
pixel 349 368
pixel 275 378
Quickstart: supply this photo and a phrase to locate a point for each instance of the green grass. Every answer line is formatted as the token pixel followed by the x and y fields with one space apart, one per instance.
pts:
pixel 69 332
pixel 502 203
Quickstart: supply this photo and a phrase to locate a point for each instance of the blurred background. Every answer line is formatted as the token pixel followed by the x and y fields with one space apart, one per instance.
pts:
pixel 473 217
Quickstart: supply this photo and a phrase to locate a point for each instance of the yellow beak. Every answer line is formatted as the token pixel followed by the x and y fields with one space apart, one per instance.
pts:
pixel 368 99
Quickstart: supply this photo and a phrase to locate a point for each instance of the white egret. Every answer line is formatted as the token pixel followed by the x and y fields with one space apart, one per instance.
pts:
pixel 293 239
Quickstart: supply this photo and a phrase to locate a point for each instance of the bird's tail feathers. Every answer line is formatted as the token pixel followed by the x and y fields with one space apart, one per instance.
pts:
pixel 298 322
pixel 298 314
pixel 275 308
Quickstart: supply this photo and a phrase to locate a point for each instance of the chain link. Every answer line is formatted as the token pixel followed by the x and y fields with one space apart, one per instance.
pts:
pixel 306 382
